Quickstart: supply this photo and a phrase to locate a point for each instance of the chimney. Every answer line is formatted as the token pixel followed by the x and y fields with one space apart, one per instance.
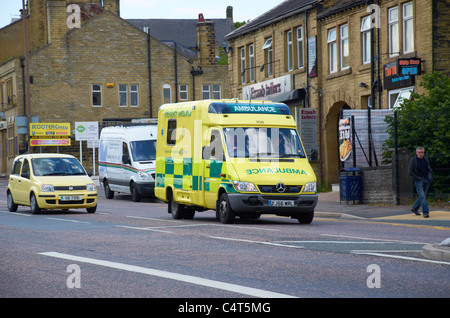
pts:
pixel 56 20
pixel 113 6
pixel 206 41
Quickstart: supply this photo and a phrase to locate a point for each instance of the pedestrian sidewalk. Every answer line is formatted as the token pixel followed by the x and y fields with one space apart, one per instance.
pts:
pixel 329 205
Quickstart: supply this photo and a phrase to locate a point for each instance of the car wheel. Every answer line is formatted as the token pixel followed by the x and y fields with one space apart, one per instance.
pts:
pixel 35 209
pixel 306 218
pixel 135 193
pixel 92 209
pixel 224 210
pixel 108 193
pixel 12 207
pixel 176 209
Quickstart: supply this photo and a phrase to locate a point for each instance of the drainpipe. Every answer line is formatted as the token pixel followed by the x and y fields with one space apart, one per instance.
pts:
pixel 149 73
pixel 176 70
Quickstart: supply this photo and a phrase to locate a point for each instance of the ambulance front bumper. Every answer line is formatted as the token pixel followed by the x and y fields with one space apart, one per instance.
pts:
pixel 276 204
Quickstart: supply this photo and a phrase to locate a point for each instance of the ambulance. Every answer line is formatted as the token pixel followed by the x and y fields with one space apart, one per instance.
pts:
pixel 126 160
pixel 239 158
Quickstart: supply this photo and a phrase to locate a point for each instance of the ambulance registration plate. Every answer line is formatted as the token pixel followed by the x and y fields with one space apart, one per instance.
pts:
pixel 288 203
pixel 71 198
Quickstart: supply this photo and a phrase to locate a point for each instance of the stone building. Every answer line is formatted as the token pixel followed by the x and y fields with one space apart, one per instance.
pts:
pixel 105 70
pixel 317 54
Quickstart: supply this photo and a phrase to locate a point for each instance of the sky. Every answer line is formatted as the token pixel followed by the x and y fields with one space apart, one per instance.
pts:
pixel 243 10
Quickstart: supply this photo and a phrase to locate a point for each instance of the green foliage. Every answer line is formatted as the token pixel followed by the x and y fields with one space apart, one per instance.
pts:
pixel 424 120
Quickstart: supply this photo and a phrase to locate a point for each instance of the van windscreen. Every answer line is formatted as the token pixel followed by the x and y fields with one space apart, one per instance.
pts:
pixel 143 150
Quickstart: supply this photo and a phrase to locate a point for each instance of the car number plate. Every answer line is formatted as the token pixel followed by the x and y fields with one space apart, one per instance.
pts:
pixel 281 203
pixel 71 198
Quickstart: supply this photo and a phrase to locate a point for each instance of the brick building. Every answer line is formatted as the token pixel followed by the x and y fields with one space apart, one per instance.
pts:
pixel 106 70
pixel 317 54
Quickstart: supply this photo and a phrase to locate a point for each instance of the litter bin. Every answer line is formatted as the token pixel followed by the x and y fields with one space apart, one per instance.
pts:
pixel 350 184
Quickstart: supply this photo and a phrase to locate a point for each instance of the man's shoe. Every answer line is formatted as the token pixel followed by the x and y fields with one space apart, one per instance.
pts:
pixel 426 215
pixel 416 212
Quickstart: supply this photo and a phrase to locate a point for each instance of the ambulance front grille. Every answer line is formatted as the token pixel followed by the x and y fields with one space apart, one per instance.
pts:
pixel 273 189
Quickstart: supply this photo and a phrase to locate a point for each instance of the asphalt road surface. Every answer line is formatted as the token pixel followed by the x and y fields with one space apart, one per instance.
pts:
pixel 135 249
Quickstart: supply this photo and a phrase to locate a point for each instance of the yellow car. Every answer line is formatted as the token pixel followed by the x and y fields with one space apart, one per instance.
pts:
pixel 50 181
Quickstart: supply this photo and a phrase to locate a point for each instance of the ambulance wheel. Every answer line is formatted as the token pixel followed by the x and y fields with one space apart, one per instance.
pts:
pixel 306 218
pixel 189 213
pixel 108 193
pixel 224 210
pixel 176 209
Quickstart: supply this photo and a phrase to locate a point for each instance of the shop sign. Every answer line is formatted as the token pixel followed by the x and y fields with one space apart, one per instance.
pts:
pixel 266 89
pixel 393 79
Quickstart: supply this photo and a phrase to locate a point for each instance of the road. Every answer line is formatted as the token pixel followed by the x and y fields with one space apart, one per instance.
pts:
pixel 135 249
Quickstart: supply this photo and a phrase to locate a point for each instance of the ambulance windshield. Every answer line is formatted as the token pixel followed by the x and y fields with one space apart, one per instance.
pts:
pixel 263 142
pixel 143 150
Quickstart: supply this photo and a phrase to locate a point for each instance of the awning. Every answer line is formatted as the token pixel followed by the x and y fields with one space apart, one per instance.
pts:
pixel 289 96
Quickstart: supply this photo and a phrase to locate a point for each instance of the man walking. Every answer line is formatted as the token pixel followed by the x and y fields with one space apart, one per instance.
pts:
pixel 420 171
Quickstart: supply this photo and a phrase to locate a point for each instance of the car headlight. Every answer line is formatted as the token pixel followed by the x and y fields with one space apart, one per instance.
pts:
pixel 310 187
pixel 143 175
pixel 90 187
pixel 245 186
pixel 47 188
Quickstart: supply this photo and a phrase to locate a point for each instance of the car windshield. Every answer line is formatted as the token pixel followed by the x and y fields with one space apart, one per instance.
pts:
pixel 57 167
pixel 143 150
pixel 263 142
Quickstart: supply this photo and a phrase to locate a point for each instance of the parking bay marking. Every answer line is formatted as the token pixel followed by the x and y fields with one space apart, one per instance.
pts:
pixel 174 276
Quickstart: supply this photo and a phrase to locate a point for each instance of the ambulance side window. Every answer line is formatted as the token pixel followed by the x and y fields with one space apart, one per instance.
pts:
pixel 216 146
pixel 171 131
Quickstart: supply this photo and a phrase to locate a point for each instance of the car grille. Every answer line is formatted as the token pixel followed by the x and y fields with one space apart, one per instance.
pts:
pixel 273 189
pixel 70 188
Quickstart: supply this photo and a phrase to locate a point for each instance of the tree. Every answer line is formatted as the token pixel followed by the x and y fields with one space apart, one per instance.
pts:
pixel 424 120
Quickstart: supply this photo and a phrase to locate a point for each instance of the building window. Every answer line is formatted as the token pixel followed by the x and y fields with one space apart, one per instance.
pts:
pixel 300 47
pixel 393 31
pixel 206 91
pixel 396 96
pixel 242 55
pixel 268 56
pixel 345 49
pixel 290 63
pixel 123 95
pixel 251 62
pixel 216 91
pixel 408 28
pixel 97 95
pixel 167 94
pixel 365 33
pixel 183 92
pixel 134 95
pixel 332 54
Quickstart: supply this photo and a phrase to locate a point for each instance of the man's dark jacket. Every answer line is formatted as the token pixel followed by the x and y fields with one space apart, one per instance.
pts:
pixel 414 172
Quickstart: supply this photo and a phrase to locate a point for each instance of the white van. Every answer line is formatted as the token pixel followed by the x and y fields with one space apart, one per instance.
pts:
pixel 126 160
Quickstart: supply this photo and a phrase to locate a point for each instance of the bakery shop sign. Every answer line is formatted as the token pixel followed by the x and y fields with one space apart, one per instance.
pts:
pixel 345 145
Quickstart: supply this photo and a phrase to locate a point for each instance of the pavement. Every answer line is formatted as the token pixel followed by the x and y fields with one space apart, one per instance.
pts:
pixel 329 205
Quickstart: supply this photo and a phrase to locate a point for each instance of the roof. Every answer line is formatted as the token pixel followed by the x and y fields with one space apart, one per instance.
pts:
pixel 182 31
pixel 339 7
pixel 283 10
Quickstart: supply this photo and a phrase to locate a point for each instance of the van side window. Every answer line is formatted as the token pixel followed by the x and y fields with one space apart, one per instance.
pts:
pixel 216 146
pixel 171 131
pixel 26 169
pixel 17 166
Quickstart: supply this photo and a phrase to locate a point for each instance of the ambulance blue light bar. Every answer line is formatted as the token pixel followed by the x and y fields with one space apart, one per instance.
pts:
pixel 247 108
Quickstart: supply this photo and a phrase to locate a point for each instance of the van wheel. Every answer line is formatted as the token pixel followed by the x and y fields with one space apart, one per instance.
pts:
pixel 224 210
pixel 12 207
pixel 108 193
pixel 306 218
pixel 176 209
pixel 35 209
pixel 135 193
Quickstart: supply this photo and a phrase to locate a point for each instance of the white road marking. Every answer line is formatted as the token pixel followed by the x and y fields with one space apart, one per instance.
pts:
pixel 142 228
pixel 254 292
pixel 401 257
pixel 68 220
pixel 255 242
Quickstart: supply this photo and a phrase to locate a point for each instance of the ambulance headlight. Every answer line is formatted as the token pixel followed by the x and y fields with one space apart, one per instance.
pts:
pixel 245 186
pixel 144 176
pixel 310 187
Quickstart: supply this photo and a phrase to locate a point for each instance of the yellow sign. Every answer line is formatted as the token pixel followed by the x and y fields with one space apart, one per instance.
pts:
pixel 49 129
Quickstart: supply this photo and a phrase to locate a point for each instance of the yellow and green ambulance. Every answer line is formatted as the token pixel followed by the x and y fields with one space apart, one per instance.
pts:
pixel 239 158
